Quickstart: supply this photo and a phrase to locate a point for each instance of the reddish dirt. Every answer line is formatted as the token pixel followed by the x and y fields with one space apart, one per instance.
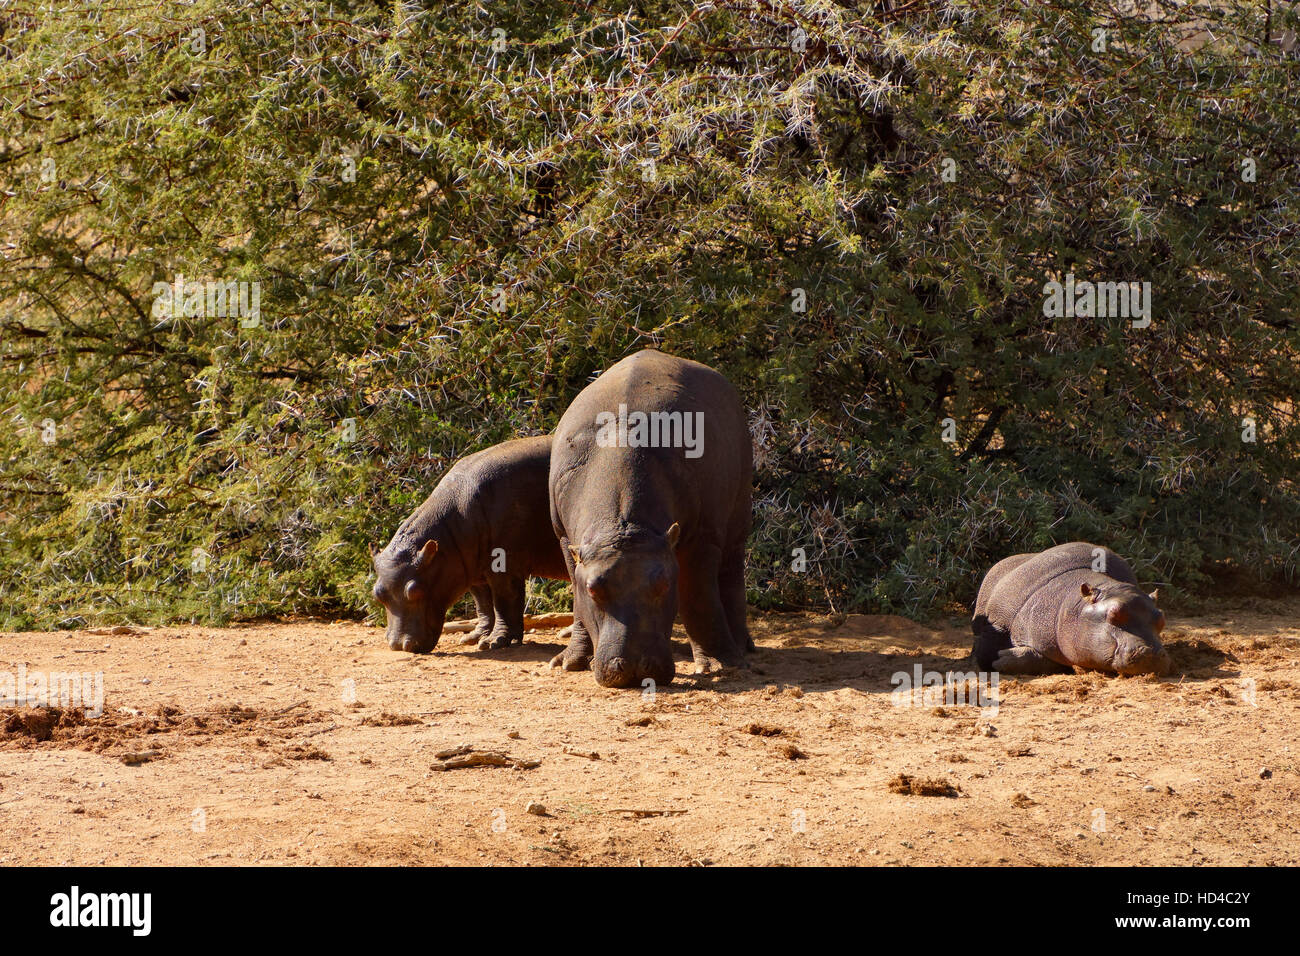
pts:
pixel 246 749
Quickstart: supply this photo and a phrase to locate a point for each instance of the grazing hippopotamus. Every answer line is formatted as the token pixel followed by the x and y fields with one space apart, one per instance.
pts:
pixel 485 528
pixel 650 497
pixel 1075 605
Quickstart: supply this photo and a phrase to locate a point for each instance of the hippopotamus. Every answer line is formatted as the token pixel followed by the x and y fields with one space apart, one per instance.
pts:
pixel 1076 605
pixel 485 528
pixel 650 489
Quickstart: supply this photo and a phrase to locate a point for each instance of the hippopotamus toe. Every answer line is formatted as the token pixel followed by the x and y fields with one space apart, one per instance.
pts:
pixel 712 665
pixel 571 662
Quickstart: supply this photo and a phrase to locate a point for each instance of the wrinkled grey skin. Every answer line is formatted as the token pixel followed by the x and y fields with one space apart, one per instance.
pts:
pixel 649 532
pixel 1049 612
pixel 495 498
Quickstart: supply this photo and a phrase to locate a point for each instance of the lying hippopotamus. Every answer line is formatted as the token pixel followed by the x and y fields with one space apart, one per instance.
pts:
pixel 650 498
pixel 1075 605
pixel 485 528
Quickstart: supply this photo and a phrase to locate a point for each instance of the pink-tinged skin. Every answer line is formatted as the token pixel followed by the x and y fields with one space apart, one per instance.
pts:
pixel 1052 611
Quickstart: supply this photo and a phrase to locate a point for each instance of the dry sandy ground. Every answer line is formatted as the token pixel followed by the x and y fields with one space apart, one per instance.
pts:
pixel 260 755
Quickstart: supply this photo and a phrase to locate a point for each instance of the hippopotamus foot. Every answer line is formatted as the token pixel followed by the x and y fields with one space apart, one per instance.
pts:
pixel 577 656
pixel 501 637
pixel 706 663
pixel 715 644
pixel 1026 660
pixel 486 616
pixel 507 595
pixel 571 662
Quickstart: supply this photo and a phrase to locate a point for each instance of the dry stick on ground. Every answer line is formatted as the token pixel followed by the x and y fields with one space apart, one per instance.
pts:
pixel 139 757
pixel 466 756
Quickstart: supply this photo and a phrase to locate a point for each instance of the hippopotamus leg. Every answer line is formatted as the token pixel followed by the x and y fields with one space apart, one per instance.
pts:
pixel 989 640
pixel 508 607
pixel 486 617
pixel 577 656
pixel 1026 660
pixel 713 644
pixel 731 582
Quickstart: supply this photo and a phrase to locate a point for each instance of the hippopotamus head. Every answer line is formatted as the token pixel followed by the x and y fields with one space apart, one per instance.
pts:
pixel 1120 626
pixel 416 587
pixel 625 591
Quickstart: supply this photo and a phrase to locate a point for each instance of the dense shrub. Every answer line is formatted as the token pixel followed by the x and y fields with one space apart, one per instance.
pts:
pixel 459 213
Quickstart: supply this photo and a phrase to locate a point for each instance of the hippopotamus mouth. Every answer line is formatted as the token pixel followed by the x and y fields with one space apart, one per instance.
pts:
pixel 631 672
pixel 412 645
pixel 415 636
pixel 1136 656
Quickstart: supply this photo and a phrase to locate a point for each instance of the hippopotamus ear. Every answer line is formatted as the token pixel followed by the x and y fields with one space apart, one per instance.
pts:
pixel 576 554
pixel 1086 591
pixel 673 534
pixel 426 553
pixel 1154 595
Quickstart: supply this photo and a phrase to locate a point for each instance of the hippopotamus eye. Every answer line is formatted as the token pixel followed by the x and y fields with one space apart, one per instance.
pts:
pixel 1117 616
pixel 412 590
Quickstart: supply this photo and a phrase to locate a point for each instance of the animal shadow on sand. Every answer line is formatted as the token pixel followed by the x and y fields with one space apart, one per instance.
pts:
pixel 875 654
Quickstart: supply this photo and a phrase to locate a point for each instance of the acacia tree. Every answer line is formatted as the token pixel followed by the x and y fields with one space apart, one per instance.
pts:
pixel 453 215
